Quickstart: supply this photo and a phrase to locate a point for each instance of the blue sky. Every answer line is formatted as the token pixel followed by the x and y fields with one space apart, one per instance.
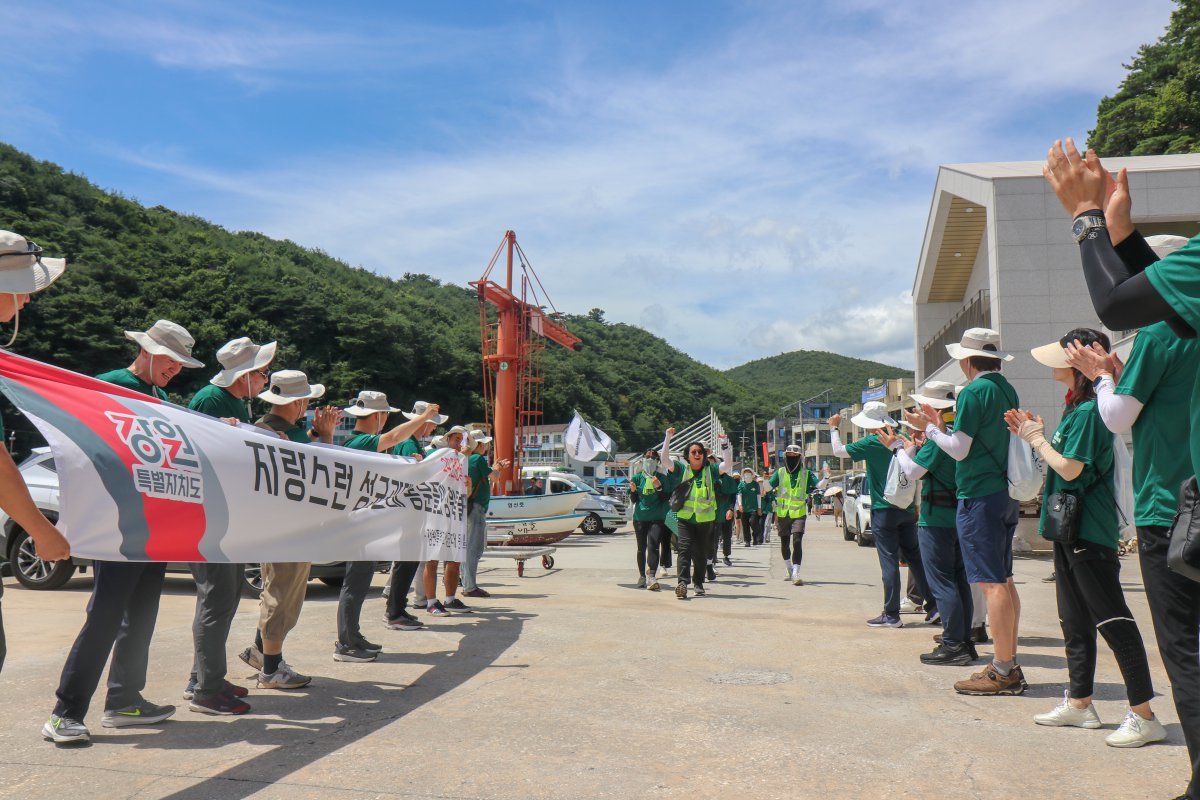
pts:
pixel 742 178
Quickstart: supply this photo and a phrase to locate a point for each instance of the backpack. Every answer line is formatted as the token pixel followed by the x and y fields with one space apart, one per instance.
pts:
pixel 899 490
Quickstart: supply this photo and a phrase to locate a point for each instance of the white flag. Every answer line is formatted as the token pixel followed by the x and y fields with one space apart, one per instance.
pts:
pixel 586 442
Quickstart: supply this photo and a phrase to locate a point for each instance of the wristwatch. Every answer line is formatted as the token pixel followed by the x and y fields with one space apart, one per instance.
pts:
pixel 1085 224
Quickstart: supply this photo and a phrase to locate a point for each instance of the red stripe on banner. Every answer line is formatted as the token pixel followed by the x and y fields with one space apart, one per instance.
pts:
pixel 175 527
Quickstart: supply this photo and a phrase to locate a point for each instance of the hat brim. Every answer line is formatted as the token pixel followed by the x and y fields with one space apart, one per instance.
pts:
pixel 155 349
pixel 356 411
pixel 315 390
pixel 872 424
pixel 958 352
pixel 437 419
pixel 484 440
pixel 264 356
pixel 33 277
pixel 1052 355
pixel 940 403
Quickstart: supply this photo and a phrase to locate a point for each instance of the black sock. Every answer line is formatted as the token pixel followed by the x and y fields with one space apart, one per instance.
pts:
pixel 258 640
pixel 271 663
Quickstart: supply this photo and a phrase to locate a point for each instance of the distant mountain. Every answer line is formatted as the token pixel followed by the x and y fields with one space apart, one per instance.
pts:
pixel 803 373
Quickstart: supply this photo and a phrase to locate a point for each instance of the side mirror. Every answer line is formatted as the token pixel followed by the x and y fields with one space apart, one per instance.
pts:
pixel 851 493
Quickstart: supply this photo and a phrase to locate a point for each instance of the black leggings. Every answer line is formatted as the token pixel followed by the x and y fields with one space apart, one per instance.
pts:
pixel 1090 600
pixel 649 535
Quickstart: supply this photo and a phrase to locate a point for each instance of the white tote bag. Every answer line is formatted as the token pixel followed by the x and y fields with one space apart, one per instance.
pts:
pixel 1123 488
pixel 899 490
pixel 1026 472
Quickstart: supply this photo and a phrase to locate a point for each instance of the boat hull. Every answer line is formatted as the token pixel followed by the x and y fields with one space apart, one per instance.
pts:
pixel 534 519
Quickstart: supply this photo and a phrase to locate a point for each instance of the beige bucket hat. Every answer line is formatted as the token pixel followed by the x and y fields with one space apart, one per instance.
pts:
pixel 23 268
pixel 978 342
pixel 938 394
pixel 368 403
pixel 419 409
pixel 165 338
pixel 239 357
pixel 873 416
pixel 288 385
pixel 479 437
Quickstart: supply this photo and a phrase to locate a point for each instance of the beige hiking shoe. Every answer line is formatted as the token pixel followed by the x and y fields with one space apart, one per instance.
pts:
pixel 989 682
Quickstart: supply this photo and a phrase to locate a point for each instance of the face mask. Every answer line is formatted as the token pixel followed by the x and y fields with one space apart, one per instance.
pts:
pixel 648 466
pixel 792 461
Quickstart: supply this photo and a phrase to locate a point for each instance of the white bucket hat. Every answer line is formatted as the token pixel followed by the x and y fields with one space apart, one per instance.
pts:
pixel 975 342
pixel 239 357
pixel 454 430
pixel 368 403
pixel 438 442
pixel 938 394
pixel 1164 244
pixel 165 338
pixel 23 268
pixel 419 409
pixel 479 437
pixel 289 385
pixel 873 416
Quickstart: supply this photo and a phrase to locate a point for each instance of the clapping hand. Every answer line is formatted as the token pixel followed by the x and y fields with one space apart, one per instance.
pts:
pixel 1025 424
pixel 1091 361
pixel 888 437
pixel 325 419
pixel 1080 182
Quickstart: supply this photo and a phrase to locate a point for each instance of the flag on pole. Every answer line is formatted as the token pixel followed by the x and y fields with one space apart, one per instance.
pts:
pixel 585 442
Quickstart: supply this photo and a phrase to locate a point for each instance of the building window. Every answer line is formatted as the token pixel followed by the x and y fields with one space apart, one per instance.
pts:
pixel 545 438
pixel 558 438
pixel 589 472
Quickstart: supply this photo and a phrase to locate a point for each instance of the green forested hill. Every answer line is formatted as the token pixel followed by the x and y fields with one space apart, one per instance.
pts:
pixel 804 373
pixel 349 328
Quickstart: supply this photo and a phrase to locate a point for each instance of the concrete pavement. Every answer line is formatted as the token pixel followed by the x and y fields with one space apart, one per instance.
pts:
pixel 571 683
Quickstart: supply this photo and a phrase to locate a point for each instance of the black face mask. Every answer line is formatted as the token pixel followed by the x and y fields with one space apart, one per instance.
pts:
pixel 793 461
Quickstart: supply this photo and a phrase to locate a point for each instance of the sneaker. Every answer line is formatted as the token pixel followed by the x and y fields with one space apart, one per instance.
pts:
pixel 1136 731
pixel 142 713
pixel 641 582
pixel 454 604
pixel 884 621
pixel 933 617
pixel 944 654
pixel 353 654
pixel 710 573
pixel 796 580
pixel 62 730
pixel 221 704
pixel 190 690
pixel 1050 578
pixel 653 585
pixel 283 678
pixel 908 607
pixel 728 563
pixel 979 635
pixel 437 609
pixel 992 683
pixel 405 622
pixel 1065 715
pixel 681 591
pixel 226 688
pixel 363 644
pixel 476 592
pixel 252 656
pixel 700 591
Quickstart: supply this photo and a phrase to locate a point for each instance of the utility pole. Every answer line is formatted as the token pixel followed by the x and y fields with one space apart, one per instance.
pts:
pixel 754 423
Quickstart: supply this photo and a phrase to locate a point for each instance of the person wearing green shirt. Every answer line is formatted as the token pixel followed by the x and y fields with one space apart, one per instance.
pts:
pixel 698 515
pixel 793 481
pixel 285 583
pixel 937 533
pixel 893 529
pixel 749 508
pixel 479 493
pixel 371 412
pixel 722 540
pixel 987 515
pixel 123 608
pixel 244 367
pixel 768 509
pixel 650 506
pixel 1090 599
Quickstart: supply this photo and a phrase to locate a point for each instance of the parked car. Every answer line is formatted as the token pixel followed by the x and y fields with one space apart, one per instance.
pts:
pixel 33 573
pixel 604 514
pixel 857 511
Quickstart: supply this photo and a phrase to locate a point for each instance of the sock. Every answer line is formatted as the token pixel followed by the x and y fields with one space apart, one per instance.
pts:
pixel 258 640
pixel 271 663
pixel 1003 667
pixel 429 603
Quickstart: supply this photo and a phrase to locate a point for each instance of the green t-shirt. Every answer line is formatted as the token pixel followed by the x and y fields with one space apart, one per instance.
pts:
pixel 296 433
pixel 652 504
pixel 363 441
pixel 727 489
pixel 937 485
pixel 125 378
pixel 879 460
pixel 409 447
pixel 480 473
pixel 1081 436
pixel 218 402
pixel 768 501
pixel 750 494
pixel 1177 279
pixel 980 414
pixel 1159 375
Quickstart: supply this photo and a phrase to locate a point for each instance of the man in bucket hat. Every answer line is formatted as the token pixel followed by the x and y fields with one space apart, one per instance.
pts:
pixel 285 583
pixel 371 410
pixel 23 271
pixel 987 515
pixel 243 375
pixel 894 529
pixel 125 594
pixel 479 496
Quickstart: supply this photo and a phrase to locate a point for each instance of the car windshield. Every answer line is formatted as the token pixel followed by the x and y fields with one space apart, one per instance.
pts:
pixel 579 484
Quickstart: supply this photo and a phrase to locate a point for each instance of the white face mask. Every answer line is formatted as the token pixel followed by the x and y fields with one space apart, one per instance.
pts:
pixel 648 466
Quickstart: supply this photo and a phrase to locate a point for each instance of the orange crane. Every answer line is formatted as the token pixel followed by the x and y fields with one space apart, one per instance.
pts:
pixel 512 346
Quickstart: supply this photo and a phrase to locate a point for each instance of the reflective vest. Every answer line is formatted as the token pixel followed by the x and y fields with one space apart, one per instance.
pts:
pixel 701 500
pixel 793 498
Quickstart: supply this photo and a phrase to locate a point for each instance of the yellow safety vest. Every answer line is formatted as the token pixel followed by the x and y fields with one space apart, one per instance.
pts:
pixel 701 501
pixel 793 499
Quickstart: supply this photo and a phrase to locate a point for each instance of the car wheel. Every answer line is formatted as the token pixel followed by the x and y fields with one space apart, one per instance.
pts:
pixel 31 571
pixel 847 534
pixel 591 525
pixel 335 581
pixel 253 579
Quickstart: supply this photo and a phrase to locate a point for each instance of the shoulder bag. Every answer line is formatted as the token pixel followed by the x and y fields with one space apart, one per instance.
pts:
pixel 1183 550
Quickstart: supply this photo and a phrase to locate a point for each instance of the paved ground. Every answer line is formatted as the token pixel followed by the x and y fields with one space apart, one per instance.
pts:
pixel 573 684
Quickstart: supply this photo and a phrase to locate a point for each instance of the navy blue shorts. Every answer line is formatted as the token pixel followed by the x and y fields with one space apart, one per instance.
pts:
pixel 985 530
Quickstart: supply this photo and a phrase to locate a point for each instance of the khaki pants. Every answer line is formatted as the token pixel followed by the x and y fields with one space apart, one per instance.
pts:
pixel 283 591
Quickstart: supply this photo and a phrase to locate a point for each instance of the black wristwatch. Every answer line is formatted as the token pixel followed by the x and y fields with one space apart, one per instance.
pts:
pixel 1086 223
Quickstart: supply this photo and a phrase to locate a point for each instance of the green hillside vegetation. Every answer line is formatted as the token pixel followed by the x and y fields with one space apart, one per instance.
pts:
pixel 802 374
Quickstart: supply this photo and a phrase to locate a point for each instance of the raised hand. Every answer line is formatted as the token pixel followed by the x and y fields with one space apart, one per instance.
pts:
pixel 1091 361
pixel 1078 181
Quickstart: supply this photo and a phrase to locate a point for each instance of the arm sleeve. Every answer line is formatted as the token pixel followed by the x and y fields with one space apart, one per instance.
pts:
pixel 664 455
pixel 727 457
pixel 835 439
pixel 957 445
pixel 1122 297
pixel 1119 411
pixel 1068 468
pixel 911 468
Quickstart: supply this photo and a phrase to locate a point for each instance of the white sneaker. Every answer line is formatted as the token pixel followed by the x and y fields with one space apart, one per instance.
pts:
pixel 1066 715
pixel 796 575
pixel 908 606
pixel 1136 731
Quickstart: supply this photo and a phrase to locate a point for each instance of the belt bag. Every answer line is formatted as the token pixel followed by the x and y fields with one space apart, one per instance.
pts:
pixel 1183 551
pixel 1061 522
pixel 679 495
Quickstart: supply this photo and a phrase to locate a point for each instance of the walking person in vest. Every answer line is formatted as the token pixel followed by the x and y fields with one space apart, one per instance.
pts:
pixel 769 499
pixel 1081 461
pixel 243 375
pixel 987 515
pixel 894 529
pixel 649 496
pixel 749 508
pixel 23 271
pixel 285 583
pixel 125 594
pixel 792 481
pixel 699 513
